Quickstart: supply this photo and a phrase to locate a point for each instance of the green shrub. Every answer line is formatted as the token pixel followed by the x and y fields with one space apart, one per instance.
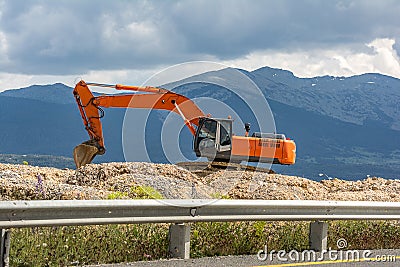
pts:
pixel 117 195
pixel 145 192
pixel 218 195
pixel 61 246
pixel 65 246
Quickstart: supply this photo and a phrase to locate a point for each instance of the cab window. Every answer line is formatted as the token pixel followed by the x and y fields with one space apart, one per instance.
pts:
pixel 225 132
pixel 208 129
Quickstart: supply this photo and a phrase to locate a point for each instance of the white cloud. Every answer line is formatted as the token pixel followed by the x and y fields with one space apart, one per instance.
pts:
pixel 72 37
pixel 3 49
pixel 381 57
pixel 386 60
pixel 128 41
pixel 14 81
pixel 129 77
pixel 377 56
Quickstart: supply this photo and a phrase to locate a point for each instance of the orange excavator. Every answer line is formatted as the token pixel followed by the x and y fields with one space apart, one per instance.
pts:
pixel 213 137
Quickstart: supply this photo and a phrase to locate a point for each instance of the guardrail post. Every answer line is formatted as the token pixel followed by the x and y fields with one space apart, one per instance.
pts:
pixel 5 247
pixel 179 241
pixel 318 236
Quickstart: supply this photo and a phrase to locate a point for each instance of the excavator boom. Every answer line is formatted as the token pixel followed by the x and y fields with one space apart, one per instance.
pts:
pixel 91 111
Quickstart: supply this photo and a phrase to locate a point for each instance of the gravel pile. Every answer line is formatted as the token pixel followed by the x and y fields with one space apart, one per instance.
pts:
pixel 123 180
pixel 171 181
pixel 99 181
pixel 281 187
pixel 20 182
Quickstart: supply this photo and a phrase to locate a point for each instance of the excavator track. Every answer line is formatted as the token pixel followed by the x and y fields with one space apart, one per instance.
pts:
pixel 203 169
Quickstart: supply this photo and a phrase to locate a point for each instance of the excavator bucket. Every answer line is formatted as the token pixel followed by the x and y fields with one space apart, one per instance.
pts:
pixel 84 154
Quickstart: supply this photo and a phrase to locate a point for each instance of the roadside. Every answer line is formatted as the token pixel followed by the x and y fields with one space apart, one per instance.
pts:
pixel 387 258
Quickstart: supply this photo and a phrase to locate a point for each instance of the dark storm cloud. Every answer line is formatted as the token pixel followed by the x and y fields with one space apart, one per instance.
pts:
pixel 68 37
pixel 233 30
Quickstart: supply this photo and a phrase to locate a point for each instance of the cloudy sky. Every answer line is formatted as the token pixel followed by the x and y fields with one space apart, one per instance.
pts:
pixel 50 41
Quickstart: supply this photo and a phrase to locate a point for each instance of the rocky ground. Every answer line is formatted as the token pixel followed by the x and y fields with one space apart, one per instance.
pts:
pixel 129 180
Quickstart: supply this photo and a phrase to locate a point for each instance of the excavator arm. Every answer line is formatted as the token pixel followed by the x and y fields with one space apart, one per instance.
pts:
pixel 91 111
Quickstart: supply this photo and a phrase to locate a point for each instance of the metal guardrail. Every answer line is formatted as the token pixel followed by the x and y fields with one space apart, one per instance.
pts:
pixel 15 214
pixel 18 214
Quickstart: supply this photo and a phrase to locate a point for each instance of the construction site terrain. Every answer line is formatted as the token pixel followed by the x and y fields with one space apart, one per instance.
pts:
pixel 150 180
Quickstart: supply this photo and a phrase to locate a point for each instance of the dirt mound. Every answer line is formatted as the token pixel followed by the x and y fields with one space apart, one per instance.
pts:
pixel 281 187
pixel 99 181
pixel 138 179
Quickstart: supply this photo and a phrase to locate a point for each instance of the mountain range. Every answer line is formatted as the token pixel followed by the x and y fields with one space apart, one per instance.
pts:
pixel 345 127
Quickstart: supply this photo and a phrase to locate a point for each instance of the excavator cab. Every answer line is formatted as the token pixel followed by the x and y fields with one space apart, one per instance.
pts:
pixel 213 139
